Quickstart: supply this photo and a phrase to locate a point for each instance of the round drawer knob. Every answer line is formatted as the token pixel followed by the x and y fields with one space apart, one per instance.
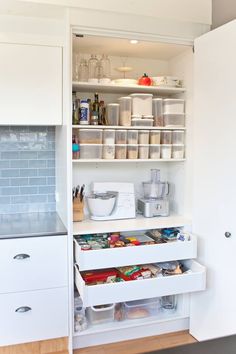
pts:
pixel 227 234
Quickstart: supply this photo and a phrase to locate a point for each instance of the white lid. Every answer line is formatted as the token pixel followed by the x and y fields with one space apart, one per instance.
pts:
pixel 166 145
pixel 124 98
pixel 144 145
pixel 90 130
pixel 121 145
pixel 180 145
pixel 121 130
pixel 133 145
pixel 157 99
pixel 107 130
pixel 136 116
pixel 155 145
pixel 113 104
pixel 110 145
pixel 141 95
pixel 142 119
pixel 148 116
pixel 173 100
pixel 144 131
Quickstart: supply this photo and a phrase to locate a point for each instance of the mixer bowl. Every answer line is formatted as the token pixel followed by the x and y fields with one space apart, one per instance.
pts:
pixel 101 204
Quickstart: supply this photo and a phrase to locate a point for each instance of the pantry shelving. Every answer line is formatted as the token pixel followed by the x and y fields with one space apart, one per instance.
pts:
pixel 125 160
pixel 120 127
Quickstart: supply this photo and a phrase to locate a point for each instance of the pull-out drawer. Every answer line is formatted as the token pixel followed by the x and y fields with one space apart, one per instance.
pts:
pixel 117 257
pixel 142 289
pixel 33 263
pixel 33 316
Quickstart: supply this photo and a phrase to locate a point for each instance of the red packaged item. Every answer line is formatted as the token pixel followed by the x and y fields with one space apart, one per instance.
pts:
pixel 101 276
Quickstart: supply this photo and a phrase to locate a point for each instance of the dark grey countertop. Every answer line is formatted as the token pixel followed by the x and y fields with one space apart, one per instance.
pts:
pixel 31 225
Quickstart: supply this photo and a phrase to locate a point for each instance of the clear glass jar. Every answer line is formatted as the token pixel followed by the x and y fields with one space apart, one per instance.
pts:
pixel 99 70
pixel 83 70
pixel 106 65
pixel 92 63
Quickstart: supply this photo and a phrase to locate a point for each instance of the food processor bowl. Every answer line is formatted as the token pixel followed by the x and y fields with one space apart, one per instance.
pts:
pixel 155 190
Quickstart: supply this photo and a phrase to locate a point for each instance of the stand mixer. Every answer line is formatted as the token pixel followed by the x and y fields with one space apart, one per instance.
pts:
pixel 155 201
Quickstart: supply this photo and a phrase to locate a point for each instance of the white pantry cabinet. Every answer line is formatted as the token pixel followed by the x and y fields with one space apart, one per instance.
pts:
pixel 30 85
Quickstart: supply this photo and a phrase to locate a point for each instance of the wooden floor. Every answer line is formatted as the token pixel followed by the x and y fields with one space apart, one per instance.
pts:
pixel 143 345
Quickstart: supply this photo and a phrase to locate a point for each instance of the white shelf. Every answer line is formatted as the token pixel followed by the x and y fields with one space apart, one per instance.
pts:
pixel 112 88
pixel 121 127
pixel 138 223
pixel 126 160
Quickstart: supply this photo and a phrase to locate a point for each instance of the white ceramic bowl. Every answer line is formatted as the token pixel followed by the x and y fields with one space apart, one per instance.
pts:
pixel 101 207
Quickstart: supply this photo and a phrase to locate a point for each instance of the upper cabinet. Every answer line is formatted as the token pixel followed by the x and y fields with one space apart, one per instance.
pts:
pixel 30 84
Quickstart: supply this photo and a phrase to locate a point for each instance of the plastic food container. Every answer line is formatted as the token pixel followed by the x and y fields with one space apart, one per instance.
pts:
pixel 125 110
pixel 154 151
pixel 174 120
pixel 141 308
pixel 173 105
pixel 132 151
pixel 178 151
pixel 178 136
pixel 113 110
pixel 132 137
pixel 141 104
pixel 168 303
pixel 121 152
pixel 147 122
pixel 143 137
pixel 155 137
pixel 100 314
pixel 143 151
pixel 121 136
pixel 166 151
pixel 90 136
pixel 109 137
pixel 108 152
pixel 90 151
pixel 157 111
pixel 166 137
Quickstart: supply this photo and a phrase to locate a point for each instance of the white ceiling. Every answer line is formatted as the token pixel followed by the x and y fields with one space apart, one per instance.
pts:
pixel 122 47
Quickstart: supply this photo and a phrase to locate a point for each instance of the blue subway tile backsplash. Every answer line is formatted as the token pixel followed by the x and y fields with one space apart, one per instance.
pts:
pixel 27 169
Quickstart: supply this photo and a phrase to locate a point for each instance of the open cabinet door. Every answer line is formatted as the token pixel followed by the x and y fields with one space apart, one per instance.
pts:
pixel 214 218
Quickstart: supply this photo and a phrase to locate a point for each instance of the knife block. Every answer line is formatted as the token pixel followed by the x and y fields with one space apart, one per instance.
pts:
pixel 78 210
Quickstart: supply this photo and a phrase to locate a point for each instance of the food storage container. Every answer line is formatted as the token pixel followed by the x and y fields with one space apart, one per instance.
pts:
pixel 155 137
pixel 166 137
pixel 178 136
pixel 178 151
pixel 143 137
pixel 132 151
pixel 132 137
pixel 143 151
pixel 90 151
pixel 121 151
pixel 154 151
pixel 121 136
pixel 90 136
pixel 113 110
pixel 141 308
pixel 100 314
pixel 173 105
pixel 125 110
pixel 174 120
pixel 168 303
pixel 142 122
pixel 157 111
pixel 141 104
pixel 108 152
pixel 166 151
pixel 109 137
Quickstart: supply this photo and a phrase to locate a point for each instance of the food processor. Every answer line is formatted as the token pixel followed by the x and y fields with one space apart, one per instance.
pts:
pixel 155 201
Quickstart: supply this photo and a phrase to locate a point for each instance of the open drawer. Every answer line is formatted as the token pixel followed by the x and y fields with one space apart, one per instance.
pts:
pixel 142 289
pixel 118 257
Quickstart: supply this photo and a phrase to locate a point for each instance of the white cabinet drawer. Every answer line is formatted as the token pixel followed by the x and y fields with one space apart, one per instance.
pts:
pixel 142 289
pixel 33 263
pixel 117 257
pixel 41 315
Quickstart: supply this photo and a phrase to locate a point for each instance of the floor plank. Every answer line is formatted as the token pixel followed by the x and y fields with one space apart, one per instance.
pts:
pixel 142 345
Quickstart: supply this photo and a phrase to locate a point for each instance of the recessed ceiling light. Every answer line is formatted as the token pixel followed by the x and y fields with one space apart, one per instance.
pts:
pixel 133 41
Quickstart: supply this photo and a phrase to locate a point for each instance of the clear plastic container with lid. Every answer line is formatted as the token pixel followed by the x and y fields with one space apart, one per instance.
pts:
pixel 157 111
pixel 155 137
pixel 108 152
pixel 143 137
pixel 174 120
pixel 121 136
pixel 143 151
pixel 125 110
pixel 132 137
pixel 173 105
pixel 100 314
pixel 132 151
pixel 141 308
pixel 139 122
pixel 178 137
pixel 154 151
pixel 121 151
pixel 90 136
pixel 90 151
pixel 178 151
pixel 141 104
pixel 109 137
pixel 166 137
pixel 166 151
pixel 113 110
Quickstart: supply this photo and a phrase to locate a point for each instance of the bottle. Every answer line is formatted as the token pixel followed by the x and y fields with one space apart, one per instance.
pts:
pixel 75 110
pixel 105 63
pixel 92 63
pixel 102 113
pixel 75 148
pixel 94 118
pixel 83 70
pixel 95 105
pixel 84 112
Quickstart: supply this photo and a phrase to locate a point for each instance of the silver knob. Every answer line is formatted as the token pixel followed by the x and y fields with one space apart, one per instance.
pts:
pixel 23 309
pixel 227 234
pixel 21 256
